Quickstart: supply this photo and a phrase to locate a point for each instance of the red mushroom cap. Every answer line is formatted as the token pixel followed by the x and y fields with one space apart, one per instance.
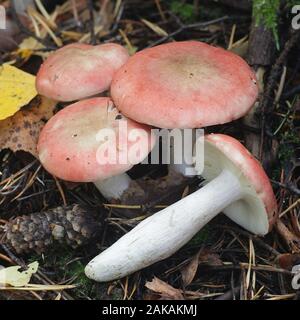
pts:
pixel 77 71
pixel 232 155
pixel 72 142
pixel 185 84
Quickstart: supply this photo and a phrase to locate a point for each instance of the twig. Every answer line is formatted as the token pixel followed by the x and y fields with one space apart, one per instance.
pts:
pixel 92 22
pixel 244 266
pixel 117 20
pixel 292 92
pixel 183 27
pixel 289 186
pixel 23 29
pixel 260 242
pixel 75 12
pixel 290 238
pixel 159 8
pixel 292 206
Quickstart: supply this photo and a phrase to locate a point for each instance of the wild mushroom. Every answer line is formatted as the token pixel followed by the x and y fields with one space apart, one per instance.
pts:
pixel 235 184
pixel 189 84
pixel 90 141
pixel 78 71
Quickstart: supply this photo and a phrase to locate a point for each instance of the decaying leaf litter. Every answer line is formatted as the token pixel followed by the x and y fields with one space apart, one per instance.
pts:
pixel 222 261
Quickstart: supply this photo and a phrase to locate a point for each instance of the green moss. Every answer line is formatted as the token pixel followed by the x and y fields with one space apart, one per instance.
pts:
pixel 286 147
pixel 266 12
pixel 184 11
pixel 201 237
pixel 62 262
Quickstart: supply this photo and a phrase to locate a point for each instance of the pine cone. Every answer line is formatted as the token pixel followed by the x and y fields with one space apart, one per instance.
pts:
pixel 71 225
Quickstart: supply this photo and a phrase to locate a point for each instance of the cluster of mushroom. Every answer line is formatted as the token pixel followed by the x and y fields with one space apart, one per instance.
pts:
pixel 186 84
pixel 67 145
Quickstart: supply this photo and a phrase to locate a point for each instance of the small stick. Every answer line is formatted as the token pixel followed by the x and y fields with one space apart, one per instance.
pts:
pixel 244 266
pixel 61 191
pixel 183 27
pixel 289 187
pixel 75 12
pixel 162 14
pixel 92 22
pixel 27 31
pixel 292 206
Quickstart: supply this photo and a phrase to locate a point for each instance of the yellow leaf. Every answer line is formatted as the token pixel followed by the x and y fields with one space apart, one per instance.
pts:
pixel 28 47
pixel 17 89
pixel 13 277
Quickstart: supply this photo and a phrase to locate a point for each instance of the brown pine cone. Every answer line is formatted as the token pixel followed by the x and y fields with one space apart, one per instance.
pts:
pixel 71 225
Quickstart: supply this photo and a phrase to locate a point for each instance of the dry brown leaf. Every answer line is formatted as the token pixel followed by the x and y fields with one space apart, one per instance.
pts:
pixel 188 272
pixel 166 291
pixel 21 131
pixel 287 260
pixel 43 108
pixel 288 236
pixel 204 256
pixel 209 258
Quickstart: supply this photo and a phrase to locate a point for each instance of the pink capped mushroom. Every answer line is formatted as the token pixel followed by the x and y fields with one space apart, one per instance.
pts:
pixel 78 71
pixel 235 184
pixel 90 141
pixel 187 84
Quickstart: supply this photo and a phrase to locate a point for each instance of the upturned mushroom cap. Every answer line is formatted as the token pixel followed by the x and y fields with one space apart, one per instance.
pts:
pixel 78 71
pixel 257 210
pixel 186 84
pixel 76 143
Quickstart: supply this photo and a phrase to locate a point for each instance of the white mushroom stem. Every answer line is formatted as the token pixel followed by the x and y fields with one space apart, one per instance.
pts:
pixel 181 158
pixel 113 187
pixel 162 234
pixel 185 169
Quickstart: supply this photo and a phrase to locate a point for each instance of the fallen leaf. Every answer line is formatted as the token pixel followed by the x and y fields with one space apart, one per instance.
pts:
pixel 43 107
pixel 21 131
pixel 30 46
pixel 288 260
pixel 204 257
pixel 13 277
pixel 290 238
pixel 209 258
pixel 166 291
pixel 17 89
pixel 188 272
